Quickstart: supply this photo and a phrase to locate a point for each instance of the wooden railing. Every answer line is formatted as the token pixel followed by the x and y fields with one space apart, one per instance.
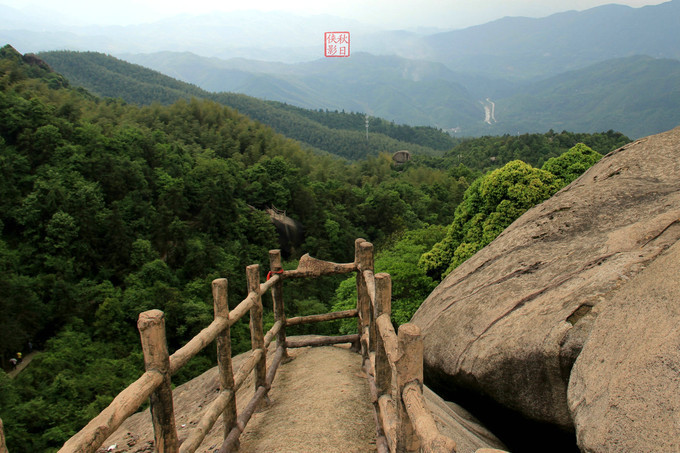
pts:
pixel 403 422
pixel 394 366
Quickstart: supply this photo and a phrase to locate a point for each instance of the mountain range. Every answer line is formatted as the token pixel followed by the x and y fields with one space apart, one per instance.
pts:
pixel 609 67
pixel 637 95
pixel 340 133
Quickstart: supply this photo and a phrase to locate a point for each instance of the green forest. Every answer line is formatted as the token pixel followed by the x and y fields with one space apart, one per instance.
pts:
pixel 339 133
pixel 109 208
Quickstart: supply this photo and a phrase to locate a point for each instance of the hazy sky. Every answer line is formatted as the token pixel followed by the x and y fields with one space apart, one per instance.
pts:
pixel 385 13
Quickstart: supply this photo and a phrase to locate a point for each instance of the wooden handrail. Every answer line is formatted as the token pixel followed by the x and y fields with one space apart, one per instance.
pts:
pixel 322 341
pixel 312 267
pixel 231 441
pixel 256 332
pixel 273 280
pixel 273 332
pixel 405 423
pixel 196 344
pixel 210 416
pixel 425 426
pixel 370 284
pixel 129 400
pixel 322 317
pixel 402 418
pixel 151 325
pixel 227 382
pixel 123 405
pixel 276 267
pixel 389 338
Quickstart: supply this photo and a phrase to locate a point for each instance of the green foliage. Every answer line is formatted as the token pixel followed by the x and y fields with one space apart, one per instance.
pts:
pixel 488 153
pixel 51 406
pixel 490 204
pixel 355 121
pixel 494 201
pixel 333 132
pixel 108 209
pixel 638 94
pixel 573 163
pixel 410 284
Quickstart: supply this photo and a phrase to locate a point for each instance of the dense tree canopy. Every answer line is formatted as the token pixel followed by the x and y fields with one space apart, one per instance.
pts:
pixel 488 153
pixel 410 284
pixel 108 209
pixel 573 163
pixel 494 201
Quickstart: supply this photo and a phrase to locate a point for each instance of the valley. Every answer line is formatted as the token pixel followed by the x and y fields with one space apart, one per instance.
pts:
pixel 539 72
pixel 139 162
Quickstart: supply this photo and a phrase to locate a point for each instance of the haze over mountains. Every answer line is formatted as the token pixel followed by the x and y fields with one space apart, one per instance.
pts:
pixel 610 67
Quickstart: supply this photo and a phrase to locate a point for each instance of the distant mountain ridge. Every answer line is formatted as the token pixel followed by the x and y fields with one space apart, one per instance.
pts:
pixel 110 77
pixel 516 47
pixel 635 95
pixel 511 46
pixel 512 75
pixel 398 89
pixel 521 47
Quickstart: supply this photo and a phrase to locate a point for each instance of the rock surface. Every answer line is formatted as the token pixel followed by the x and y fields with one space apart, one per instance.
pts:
pixel 455 422
pixel 624 391
pixel 509 323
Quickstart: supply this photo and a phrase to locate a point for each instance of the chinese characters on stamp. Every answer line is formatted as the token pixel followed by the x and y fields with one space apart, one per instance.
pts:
pixel 336 44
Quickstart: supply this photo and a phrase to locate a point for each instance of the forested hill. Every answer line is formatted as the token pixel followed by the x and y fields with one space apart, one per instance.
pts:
pixel 338 133
pixel 109 208
pixel 491 152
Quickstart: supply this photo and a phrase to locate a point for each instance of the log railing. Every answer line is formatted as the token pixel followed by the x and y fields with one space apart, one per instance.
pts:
pixel 403 422
pixel 154 384
pixel 394 366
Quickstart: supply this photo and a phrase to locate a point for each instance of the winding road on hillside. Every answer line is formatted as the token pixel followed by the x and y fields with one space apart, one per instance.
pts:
pixel 489 111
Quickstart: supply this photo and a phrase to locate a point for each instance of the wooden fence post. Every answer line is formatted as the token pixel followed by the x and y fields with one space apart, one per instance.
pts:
pixel 3 446
pixel 256 329
pixel 151 325
pixel 221 309
pixel 383 305
pixel 366 253
pixel 363 302
pixel 409 368
pixel 277 299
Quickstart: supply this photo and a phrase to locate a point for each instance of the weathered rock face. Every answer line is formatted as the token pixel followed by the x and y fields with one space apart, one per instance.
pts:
pixel 458 424
pixel 624 391
pixel 291 232
pixel 509 323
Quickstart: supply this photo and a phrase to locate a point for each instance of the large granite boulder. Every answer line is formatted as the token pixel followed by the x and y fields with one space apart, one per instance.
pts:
pixel 509 323
pixel 624 391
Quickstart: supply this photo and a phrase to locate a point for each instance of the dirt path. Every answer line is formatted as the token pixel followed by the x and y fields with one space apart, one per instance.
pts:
pixel 24 363
pixel 320 402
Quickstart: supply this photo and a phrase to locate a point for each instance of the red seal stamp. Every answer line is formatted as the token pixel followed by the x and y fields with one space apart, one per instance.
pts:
pixel 336 44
